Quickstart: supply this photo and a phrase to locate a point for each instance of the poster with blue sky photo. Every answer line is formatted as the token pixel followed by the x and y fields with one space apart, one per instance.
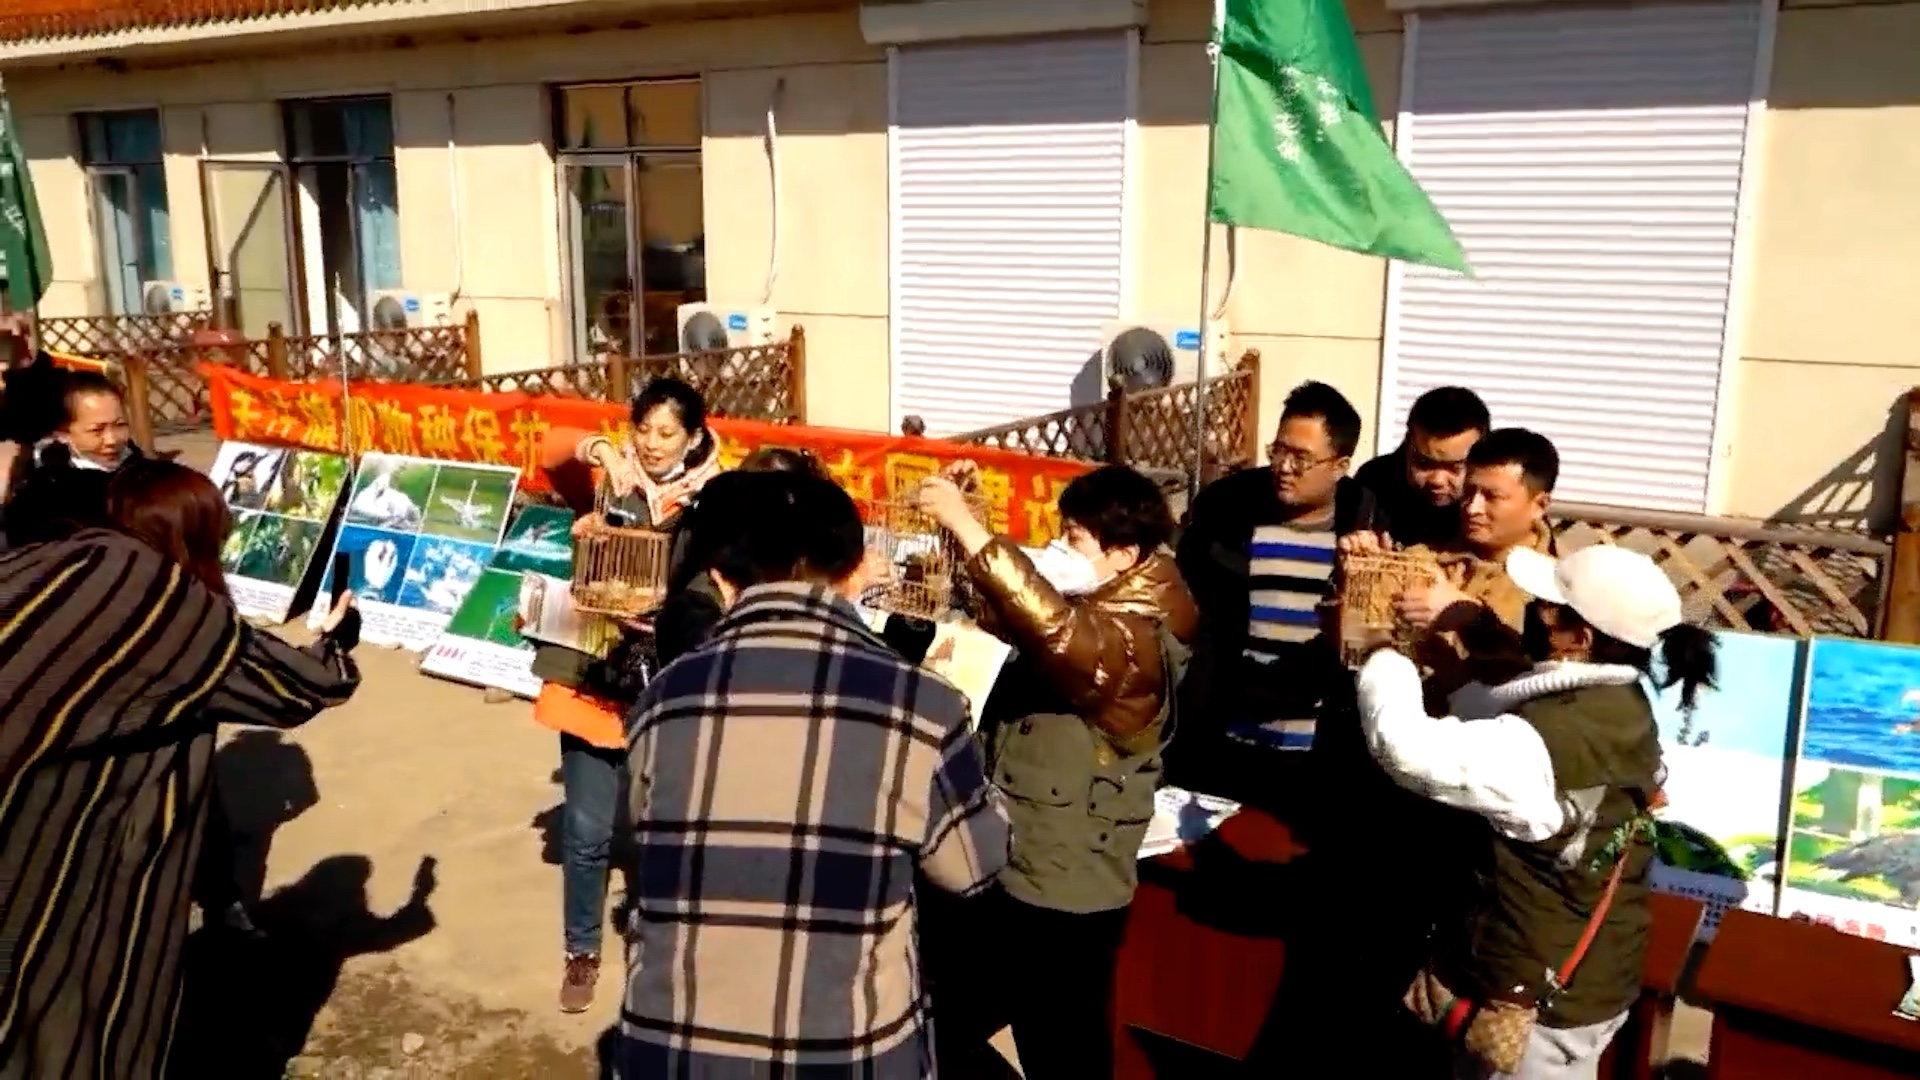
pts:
pixel 1853 853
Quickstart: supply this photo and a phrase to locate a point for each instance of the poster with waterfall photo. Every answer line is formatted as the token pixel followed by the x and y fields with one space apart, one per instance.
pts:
pixel 1853 846
pixel 1719 839
pixel 418 535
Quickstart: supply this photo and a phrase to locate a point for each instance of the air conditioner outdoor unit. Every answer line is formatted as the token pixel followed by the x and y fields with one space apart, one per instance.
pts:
pixel 172 298
pixel 716 326
pixel 1148 355
pixel 405 309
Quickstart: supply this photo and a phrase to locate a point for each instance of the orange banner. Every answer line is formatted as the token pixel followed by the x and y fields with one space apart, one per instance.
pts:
pixel 505 429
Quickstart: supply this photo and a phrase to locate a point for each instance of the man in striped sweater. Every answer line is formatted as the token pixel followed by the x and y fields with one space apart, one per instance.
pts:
pixel 1258 552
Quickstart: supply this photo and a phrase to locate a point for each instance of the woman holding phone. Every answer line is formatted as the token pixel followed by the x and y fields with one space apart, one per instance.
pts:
pixel 648 480
pixel 121 653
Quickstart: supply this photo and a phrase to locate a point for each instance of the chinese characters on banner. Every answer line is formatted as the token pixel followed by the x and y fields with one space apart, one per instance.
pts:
pixel 1021 490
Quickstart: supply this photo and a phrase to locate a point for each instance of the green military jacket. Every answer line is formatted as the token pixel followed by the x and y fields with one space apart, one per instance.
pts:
pixel 1536 899
pixel 1079 800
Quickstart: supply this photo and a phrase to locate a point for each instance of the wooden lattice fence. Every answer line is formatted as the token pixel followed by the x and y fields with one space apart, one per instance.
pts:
pixel 419 354
pixel 1152 430
pixel 109 336
pixel 1748 575
pixel 752 382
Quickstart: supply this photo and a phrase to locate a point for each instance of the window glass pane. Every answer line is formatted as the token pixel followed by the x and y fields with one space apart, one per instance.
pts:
pixel 368 126
pixel 318 130
pixel 115 219
pixel 93 138
pixel 592 117
pixel 133 137
pixel 376 211
pixel 664 114
pixel 673 264
pixel 120 138
pixel 602 287
pixel 156 242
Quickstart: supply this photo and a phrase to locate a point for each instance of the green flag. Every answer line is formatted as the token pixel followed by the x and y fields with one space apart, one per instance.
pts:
pixel 1297 145
pixel 23 242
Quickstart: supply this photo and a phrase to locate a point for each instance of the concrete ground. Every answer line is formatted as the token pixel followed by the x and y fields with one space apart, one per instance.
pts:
pixel 404 845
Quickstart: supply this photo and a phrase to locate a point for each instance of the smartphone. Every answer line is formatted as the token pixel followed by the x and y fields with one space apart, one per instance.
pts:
pixel 342 574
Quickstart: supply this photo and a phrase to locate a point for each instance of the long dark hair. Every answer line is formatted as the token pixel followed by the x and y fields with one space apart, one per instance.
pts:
pixel 1688 654
pixel 1689 659
pixel 174 510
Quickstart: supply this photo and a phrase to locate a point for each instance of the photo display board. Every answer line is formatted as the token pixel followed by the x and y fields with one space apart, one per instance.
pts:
pixel 1853 846
pixel 483 642
pixel 419 534
pixel 282 501
pixel 1719 838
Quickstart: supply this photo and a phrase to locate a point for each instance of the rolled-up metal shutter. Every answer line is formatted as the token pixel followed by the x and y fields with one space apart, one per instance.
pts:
pixel 1008 170
pixel 1590 160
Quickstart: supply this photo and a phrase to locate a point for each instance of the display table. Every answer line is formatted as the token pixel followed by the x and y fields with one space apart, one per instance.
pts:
pixel 1798 1001
pixel 1183 979
pixel 1643 1041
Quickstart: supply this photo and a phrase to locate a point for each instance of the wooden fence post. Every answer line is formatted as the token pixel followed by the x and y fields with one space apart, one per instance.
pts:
pixel 134 369
pixel 618 381
pixel 1250 363
pixel 470 343
pixel 276 352
pixel 1901 613
pixel 797 374
pixel 1113 424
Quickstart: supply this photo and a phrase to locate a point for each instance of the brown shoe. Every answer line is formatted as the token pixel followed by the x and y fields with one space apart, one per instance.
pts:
pixel 576 988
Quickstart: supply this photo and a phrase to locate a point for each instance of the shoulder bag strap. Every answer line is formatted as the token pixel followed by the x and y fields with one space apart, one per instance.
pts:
pixel 1565 974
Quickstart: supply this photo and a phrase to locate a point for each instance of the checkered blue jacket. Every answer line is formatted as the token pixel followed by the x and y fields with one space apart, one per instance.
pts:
pixel 789 777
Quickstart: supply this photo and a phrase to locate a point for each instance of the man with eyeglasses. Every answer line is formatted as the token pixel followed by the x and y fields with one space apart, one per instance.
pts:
pixel 1417 486
pixel 1257 553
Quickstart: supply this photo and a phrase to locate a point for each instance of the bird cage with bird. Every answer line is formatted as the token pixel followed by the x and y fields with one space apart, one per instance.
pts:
pixel 619 568
pixel 922 560
pixel 1368 585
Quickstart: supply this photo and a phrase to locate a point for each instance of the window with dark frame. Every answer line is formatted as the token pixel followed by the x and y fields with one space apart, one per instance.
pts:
pixel 341 151
pixel 123 155
pixel 631 171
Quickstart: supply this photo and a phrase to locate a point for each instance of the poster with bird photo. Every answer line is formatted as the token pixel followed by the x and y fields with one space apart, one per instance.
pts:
pixel 1718 837
pixel 1853 850
pixel 484 642
pixel 281 501
pixel 418 534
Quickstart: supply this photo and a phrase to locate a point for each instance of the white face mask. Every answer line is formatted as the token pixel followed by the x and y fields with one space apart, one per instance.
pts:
pixel 1066 569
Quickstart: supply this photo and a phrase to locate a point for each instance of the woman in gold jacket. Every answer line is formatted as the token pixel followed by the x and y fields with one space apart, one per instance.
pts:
pixel 1074 728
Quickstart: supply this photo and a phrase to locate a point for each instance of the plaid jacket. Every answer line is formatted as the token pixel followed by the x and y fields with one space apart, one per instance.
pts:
pixel 789 777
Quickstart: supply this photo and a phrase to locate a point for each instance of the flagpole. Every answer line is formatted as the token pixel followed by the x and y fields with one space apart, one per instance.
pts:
pixel 1206 260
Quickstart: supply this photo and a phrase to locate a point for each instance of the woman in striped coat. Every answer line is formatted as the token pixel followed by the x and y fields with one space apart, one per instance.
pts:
pixel 118 656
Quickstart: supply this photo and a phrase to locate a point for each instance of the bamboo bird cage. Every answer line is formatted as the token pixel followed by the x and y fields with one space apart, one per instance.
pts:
pixel 618 571
pixel 1368 586
pixel 922 559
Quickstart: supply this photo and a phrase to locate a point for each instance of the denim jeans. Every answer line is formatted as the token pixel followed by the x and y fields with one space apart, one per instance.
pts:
pixel 592 783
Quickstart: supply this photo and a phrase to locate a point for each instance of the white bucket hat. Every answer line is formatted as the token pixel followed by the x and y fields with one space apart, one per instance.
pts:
pixel 1621 593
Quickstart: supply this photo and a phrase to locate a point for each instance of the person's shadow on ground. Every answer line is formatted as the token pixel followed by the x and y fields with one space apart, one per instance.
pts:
pixel 250 1003
pixel 263 782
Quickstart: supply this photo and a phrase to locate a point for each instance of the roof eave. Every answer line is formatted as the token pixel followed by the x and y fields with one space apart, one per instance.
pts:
pixel 382 17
